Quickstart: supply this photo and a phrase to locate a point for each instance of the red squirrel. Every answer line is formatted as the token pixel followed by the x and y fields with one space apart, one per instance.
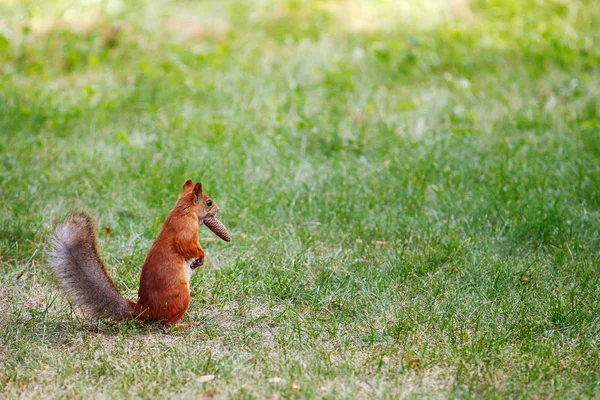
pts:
pixel 164 293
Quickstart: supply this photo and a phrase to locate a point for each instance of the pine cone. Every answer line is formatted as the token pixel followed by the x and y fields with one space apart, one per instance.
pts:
pixel 218 228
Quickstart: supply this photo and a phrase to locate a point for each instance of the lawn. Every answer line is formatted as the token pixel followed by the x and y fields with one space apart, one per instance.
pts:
pixel 412 190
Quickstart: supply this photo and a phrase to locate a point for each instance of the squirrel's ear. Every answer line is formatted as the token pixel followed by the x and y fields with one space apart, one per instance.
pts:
pixel 187 186
pixel 198 191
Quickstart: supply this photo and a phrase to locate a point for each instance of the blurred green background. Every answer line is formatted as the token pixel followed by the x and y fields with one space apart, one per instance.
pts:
pixel 412 189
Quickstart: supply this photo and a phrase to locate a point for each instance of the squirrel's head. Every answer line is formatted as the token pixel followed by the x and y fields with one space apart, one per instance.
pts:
pixel 204 207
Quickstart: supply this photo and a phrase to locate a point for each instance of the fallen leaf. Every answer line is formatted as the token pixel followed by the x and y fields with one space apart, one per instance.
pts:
pixel 414 363
pixel 107 230
pixel 43 366
pixel 206 378
pixel 336 304
pixel 380 243
pixel 243 235
pixel 207 394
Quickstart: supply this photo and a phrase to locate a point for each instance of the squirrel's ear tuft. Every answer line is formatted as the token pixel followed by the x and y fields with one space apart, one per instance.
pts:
pixel 198 191
pixel 187 186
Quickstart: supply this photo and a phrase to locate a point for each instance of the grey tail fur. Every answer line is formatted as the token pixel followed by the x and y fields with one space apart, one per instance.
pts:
pixel 76 263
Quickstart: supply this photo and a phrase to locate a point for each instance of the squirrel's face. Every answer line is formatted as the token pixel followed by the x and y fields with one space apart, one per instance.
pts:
pixel 203 205
pixel 205 208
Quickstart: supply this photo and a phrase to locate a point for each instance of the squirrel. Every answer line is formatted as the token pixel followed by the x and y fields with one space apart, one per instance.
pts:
pixel 164 292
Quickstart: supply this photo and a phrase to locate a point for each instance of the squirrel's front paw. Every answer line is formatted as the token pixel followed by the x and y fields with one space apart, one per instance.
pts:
pixel 197 262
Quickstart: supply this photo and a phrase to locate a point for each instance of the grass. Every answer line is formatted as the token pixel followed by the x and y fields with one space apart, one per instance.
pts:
pixel 413 196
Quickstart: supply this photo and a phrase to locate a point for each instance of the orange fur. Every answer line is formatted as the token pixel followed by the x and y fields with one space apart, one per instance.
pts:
pixel 164 292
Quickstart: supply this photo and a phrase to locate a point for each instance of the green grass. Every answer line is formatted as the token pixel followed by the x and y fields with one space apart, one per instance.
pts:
pixel 413 197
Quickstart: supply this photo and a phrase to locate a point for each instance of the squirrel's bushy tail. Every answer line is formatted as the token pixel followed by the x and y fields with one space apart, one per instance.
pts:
pixel 76 263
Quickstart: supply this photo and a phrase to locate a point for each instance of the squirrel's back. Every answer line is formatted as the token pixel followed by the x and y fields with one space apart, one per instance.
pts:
pixel 77 264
